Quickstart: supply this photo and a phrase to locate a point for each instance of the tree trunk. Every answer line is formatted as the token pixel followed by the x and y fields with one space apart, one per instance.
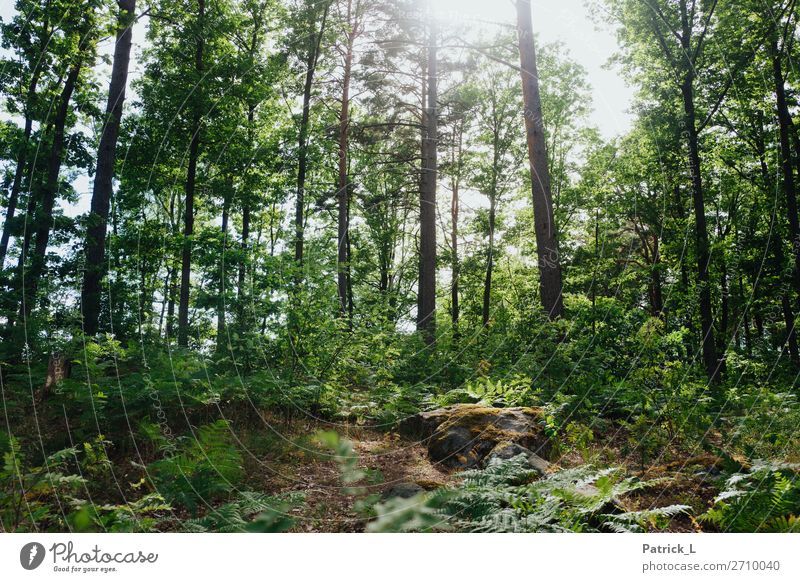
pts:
pixel 784 124
pixel 487 282
pixel 455 265
pixel 106 156
pixel 550 283
pixel 244 245
pixel 16 186
pixel 745 318
pixel 426 301
pixel 44 216
pixel 188 217
pixel 314 44
pixel 343 195
pixel 223 267
pixel 712 363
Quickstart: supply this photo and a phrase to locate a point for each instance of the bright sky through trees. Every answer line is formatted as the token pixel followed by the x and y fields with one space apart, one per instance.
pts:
pixel 568 21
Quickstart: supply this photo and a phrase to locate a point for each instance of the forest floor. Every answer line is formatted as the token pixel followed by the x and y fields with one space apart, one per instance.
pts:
pixel 301 467
pixel 290 461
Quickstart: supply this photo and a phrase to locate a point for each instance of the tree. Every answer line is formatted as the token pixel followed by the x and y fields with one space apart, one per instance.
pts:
pixel 353 25
pixel 104 175
pixel 426 303
pixel 83 30
pixel 550 283
pixel 312 27
pixel 23 77
pixel 494 175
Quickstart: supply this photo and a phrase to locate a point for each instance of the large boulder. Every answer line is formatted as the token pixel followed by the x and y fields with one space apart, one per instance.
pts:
pixel 463 435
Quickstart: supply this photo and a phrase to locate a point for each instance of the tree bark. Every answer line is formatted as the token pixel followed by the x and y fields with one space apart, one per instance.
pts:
pixel 455 266
pixel 106 156
pixel 426 300
pixel 550 283
pixel 487 281
pixel 16 186
pixel 711 362
pixel 343 195
pixel 784 125
pixel 223 266
pixel 713 365
pixel 245 242
pixel 191 177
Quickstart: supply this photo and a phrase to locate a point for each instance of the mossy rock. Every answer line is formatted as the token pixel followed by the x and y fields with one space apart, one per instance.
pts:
pixel 461 436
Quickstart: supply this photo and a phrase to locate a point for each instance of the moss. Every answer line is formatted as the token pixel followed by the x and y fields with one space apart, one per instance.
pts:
pixel 489 426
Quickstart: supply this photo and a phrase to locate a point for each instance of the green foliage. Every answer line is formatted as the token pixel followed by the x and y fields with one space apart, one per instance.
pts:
pixel 35 495
pixel 514 391
pixel 248 512
pixel 52 496
pixel 764 499
pixel 137 516
pixel 508 497
pixel 205 467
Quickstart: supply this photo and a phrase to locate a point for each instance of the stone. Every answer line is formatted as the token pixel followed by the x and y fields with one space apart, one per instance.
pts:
pixel 463 435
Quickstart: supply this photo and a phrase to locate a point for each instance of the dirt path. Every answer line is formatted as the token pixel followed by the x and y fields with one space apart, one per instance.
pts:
pixel 302 467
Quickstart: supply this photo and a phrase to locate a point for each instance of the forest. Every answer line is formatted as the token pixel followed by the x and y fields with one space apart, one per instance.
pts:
pixel 364 266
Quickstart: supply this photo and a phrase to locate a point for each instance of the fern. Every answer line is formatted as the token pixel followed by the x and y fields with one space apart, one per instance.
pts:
pixel 249 512
pixel 36 498
pixel 764 499
pixel 204 469
pixel 507 497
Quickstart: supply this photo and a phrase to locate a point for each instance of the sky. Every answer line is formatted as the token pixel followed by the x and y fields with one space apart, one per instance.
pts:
pixel 588 43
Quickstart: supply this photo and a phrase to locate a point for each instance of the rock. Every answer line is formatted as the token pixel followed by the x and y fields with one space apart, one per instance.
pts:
pixel 506 450
pixel 403 490
pixel 463 435
pixel 423 425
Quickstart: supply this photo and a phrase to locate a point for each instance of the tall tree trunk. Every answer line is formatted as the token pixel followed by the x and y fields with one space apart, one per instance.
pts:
pixel 240 283
pixel 724 319
pixel 47 196
pixel 312 57
pixel 191 176
pixel 455 266
pixel 173 292
pixel 106 156
pixel 713 365
pixel 745 318
pixel 426 300
pixel 784 124
pixel 343 195
pixel 550 283
pixel 487 281
pixel 223 267
pixel 241 292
